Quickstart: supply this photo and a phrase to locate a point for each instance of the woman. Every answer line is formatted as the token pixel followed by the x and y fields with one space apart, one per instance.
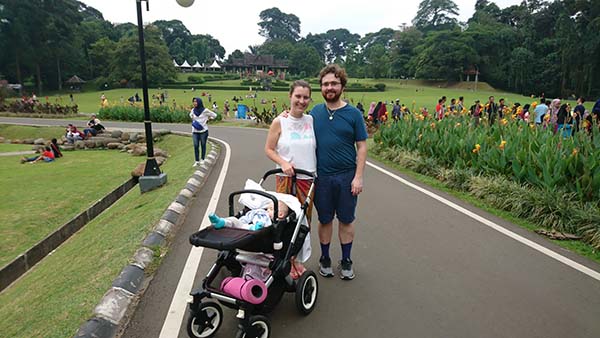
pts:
pixel 291 144
pixel 200 117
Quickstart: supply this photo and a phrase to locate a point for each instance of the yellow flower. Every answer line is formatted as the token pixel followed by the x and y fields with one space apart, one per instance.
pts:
pixel 575 151
pixel 547 117
pixel 502 144
pixel 504 122
pixel 458 124
pixel 476 149
pixel 432 125
pixel 420 136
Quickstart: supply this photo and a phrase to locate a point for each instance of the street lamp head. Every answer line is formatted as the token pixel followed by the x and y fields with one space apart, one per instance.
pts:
pixel 185 3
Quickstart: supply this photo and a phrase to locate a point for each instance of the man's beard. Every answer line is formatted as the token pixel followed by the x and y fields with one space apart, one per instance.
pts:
pixel 335 98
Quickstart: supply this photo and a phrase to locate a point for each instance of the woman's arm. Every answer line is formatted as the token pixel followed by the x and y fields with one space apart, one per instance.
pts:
pixel 271 145
pixel 211 114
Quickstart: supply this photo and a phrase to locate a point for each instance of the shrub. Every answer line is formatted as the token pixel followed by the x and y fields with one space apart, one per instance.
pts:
pixel 380 87
pixel 195 79
pixel 135 113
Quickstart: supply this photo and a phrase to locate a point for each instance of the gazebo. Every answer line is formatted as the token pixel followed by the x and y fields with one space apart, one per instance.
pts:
pixel 197 66
pixel 215 65
pixel 75 83
pixel 185 66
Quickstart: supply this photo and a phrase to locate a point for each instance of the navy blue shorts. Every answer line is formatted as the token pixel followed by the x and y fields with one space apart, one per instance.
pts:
pixel 333 196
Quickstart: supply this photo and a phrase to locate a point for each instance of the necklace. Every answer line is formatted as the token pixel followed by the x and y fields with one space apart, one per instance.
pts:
pixel 331 113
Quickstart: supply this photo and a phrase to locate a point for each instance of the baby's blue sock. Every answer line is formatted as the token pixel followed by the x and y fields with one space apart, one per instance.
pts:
pixel 216 221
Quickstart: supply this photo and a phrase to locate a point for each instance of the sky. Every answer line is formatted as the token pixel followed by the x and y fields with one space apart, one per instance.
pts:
pixel 235 23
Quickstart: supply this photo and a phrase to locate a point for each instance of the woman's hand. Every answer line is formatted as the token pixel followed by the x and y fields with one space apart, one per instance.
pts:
pixel 287 168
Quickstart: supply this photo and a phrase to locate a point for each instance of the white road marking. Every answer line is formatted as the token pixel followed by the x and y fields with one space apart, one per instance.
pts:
pixel 592 273
pixel 172 323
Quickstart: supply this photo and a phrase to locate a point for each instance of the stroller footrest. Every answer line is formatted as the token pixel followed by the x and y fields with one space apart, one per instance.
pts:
pixel 232 238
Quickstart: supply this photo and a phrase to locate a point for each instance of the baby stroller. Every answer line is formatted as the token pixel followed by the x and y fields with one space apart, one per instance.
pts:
pixel 269 248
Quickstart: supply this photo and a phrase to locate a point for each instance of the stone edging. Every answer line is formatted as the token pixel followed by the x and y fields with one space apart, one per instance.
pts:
pixel 20 265
pixel 110 313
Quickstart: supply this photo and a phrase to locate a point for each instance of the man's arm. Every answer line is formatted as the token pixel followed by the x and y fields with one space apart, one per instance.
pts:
pixel 361 160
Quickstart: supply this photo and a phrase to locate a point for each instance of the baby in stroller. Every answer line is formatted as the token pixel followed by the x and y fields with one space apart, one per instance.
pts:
pixel 254 219
pixel 257 263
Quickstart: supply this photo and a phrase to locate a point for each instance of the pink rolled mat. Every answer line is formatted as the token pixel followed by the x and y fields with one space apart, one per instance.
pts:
pixel 252 291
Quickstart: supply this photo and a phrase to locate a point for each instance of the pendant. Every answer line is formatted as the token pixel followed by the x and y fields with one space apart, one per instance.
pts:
pixel 330 118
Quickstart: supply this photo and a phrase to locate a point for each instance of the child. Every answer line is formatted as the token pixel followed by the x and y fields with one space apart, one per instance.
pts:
pixel 255 219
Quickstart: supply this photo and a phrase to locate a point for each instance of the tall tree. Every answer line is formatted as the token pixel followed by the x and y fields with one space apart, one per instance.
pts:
pixel 436 14
pixel 444 55
pixel 276 25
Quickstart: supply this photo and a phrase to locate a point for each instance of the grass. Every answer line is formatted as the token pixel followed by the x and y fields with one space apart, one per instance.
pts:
pixel 578 247
pixel 48 195
pixel 425 94
pixel 8 148
pixel 13 132
pixel 59 293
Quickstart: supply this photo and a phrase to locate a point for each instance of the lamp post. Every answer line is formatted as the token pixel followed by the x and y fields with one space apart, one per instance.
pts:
pixel 152 178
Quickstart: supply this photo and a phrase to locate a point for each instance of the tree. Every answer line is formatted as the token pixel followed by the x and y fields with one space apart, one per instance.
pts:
pixel 444 55
pixel 403 50
pixel 126 63
pixel 276 25
pixel 436 14
pixel 337 42
pixel 305 60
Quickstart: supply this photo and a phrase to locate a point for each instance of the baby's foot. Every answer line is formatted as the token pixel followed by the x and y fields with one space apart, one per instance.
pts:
pixel 216 221
pixel 257 226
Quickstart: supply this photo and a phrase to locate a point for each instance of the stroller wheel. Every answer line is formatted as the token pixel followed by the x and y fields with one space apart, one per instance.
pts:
pixel 206 321
pixel 307 289
pixel 258 327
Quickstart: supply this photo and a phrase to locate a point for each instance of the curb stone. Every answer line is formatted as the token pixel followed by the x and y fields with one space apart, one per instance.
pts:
pixel 110 313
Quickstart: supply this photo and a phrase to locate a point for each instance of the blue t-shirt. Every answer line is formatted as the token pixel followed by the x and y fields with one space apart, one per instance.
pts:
pixel 336 138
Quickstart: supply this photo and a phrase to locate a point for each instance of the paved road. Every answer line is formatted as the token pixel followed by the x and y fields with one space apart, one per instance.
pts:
pixel 424 268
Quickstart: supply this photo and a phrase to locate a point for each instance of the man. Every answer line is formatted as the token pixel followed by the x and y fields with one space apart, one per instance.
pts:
pixel 492 110
pixel 540 111
pixel 339 127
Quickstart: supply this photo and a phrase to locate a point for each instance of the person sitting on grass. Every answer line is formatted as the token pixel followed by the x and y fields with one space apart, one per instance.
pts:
pixel 55 149
pixel 46 156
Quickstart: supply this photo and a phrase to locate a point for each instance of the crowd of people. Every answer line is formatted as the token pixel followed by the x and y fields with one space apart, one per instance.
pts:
pixel 554 114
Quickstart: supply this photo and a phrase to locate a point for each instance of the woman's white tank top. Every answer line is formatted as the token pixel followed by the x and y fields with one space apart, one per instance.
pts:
pixel 297 143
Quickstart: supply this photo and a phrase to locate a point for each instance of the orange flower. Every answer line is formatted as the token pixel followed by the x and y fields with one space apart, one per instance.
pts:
pixel 432 125
pixel 575 151
pixel 476 149
pixel 502 144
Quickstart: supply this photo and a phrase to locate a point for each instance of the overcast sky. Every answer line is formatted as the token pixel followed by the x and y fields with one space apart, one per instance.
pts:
pixel 235 23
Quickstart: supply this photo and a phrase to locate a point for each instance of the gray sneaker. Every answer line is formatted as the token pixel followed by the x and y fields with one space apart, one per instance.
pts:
pixel 325 269
pixel 346 271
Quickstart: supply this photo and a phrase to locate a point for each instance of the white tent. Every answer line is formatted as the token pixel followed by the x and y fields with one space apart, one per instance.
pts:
pixel 197 65
pixel 185 64
pixel 215 65
pixel 175 63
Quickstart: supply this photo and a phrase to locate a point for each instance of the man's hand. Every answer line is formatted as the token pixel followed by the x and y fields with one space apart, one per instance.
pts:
pixel 357 186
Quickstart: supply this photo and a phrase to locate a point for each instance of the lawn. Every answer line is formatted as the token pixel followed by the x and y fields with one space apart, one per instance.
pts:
pixel 9 148
pixel 59 294
pixel 425 94
pixel 48 195
pixel 13 132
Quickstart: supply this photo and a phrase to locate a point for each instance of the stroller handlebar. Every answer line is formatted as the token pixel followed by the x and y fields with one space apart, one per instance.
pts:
pixel 296 172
